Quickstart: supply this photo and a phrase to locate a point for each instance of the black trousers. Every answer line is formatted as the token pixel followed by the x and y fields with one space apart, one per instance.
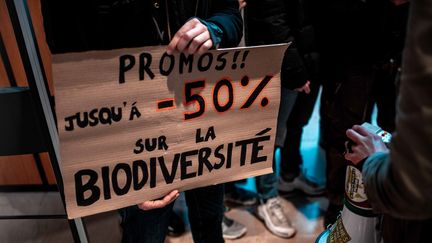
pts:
pixel 385 91
pixel 347 100
pixel 403 231
pixel 299 118
pixel 205 209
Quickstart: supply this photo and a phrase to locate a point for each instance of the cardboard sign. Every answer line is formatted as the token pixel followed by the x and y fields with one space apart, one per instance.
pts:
pixel 134 124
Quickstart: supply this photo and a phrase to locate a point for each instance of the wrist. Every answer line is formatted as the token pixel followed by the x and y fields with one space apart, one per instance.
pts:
pixel 215 32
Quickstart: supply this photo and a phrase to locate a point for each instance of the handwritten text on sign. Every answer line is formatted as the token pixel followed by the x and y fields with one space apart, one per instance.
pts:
pixel 135 124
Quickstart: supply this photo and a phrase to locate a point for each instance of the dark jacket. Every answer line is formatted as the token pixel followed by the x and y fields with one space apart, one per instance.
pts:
pixel 350 32
pixel 400 183
pixel 281 21
pixel 82 25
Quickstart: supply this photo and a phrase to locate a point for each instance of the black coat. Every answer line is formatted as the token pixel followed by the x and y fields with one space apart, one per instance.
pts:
pixel 81 25
pixel 281 21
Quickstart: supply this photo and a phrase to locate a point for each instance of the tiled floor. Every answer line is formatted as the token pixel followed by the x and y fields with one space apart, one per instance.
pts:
pixel 305 213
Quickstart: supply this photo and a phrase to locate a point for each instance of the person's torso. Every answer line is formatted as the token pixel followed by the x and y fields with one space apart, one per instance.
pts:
pixel 110 24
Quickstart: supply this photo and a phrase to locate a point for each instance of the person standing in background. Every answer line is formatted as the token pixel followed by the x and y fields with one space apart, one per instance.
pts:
pixel 349 35
pixel 398 181
pixel 268 22
pixel 291 177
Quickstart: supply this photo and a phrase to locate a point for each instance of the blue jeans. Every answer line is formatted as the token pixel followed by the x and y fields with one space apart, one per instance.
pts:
pixel 205 207
pixel 267 184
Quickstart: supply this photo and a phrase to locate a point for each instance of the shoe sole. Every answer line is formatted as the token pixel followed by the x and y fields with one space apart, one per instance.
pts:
pixel 234 237
pixel 315 194
pixel 289 195
pixel 284 188
pixel 318 194
pixel 240 203
pixel 296 191
pixel 293 187
pixel 262 218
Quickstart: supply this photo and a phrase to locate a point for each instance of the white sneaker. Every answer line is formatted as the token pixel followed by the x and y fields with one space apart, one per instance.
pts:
pixel 275 219
pixel 302 184
pixel 231 229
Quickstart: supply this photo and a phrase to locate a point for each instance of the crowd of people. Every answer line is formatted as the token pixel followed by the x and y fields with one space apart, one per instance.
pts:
pixel 351 49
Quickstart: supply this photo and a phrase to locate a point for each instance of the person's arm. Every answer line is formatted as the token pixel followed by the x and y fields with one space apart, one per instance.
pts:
pixel 293 71
pixel 226 16
pixel 223 28
pixel 400 183
pixel 305 88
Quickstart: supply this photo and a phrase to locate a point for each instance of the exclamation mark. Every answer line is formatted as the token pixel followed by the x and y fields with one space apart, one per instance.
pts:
pixel 234 65
pixel 245 54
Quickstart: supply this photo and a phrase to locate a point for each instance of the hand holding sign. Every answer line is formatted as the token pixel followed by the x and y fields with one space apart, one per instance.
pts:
pixel 192 37
pixel 149 205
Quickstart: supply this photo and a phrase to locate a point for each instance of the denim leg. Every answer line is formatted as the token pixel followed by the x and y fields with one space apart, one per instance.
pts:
pixel 267 184
pixel 141 226
pixel 205 207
